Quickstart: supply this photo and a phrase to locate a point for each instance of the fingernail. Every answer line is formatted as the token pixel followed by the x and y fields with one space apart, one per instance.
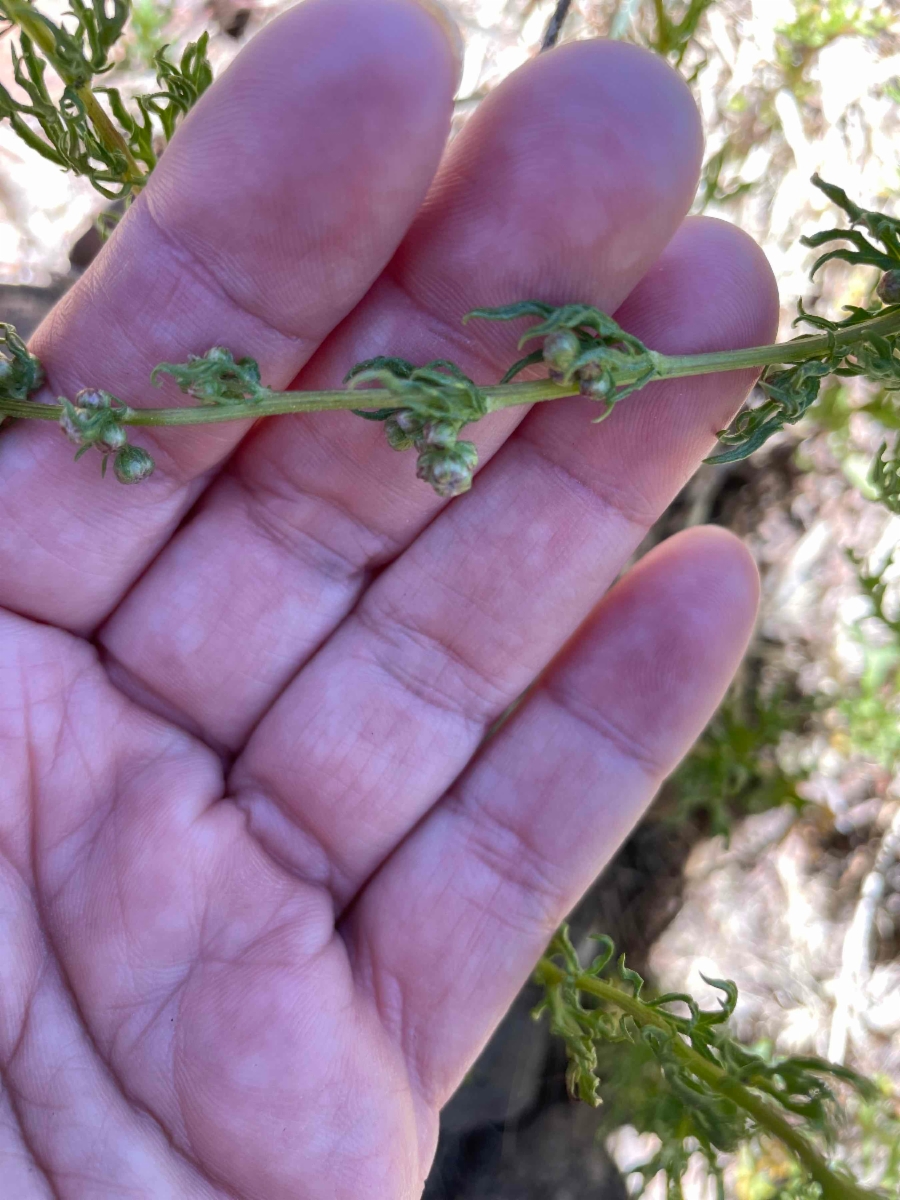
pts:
pixel 451 32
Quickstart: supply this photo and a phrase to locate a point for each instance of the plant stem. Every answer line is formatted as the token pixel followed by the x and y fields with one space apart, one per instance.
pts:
pixel 833 1187
pixel 798 350
pixel 555 24
pixel 280 403
pixel 110 136
pixel 23 13
pixel 499 396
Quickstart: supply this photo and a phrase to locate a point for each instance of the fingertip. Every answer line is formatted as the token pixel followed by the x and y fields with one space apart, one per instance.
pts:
pixel 310 155
pixel 617 88
pixel 746 275
pixel 720 574
pixel 668 638
pixel 727 296
pixel 588 160
pixel 710 586
pixel 449 30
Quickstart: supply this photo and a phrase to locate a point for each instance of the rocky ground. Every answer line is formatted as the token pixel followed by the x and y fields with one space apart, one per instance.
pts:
pixel 788 879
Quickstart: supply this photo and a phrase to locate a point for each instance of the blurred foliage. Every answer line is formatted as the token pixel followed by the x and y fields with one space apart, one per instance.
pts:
pixel 884 476
pixel 734 770
pixel 673 35
pixel 835 407
pixel 875 584
pixel 766 1172
pixel 870 715
pixel 670 29
pixel 817 23
pixel 878 1122
pixel 146 36
pixel 712 189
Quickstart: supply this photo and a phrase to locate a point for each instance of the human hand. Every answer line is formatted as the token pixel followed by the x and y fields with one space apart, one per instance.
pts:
pixel 263 896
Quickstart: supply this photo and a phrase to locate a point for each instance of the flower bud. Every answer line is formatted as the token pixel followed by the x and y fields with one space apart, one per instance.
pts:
pixel 594 382
pixel 889 287
pixel 92 398
pixel 449 471
pixel 560 350
pixel 441 434
pixel 69 423
pixel 402 429
pixel 132 464
pixel 114 437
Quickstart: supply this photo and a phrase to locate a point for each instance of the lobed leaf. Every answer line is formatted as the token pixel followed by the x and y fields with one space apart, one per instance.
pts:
pixel 215 377
pixel 21 374
pixel 687 1104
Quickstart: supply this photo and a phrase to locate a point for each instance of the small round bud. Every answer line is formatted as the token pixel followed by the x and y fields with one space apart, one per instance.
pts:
pixel 402 429
pixel 397 439
pixel 449 471
pixel 92 398
pixel 441 434
pixel 889 287
pixel 114 438
pixel 132 464
pixel 408 422
pixel 597 388
pixel 590 371
pixel 561 349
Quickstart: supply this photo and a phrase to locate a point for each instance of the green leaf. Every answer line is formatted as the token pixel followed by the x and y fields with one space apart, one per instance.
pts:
pixel 878 226
pixel 511 312
pixel 215 377
pixel 686 1079
pixel 21 373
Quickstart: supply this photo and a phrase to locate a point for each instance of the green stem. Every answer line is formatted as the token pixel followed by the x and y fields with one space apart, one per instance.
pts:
pixel 110 136
pixel 833 1187
pixel 498 397
pixel 280 403
pixel 799 350
pixel 23 13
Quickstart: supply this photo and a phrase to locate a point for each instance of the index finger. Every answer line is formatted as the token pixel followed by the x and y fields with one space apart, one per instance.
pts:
pixel 268 218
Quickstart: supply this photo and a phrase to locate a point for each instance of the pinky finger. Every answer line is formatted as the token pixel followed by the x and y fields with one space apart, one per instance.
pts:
pixel 447 931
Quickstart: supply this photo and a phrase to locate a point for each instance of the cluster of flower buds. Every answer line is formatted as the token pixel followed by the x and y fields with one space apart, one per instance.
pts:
pixel 562 350
pixel 580 345
pixel 216 377
pixel 94 419
pixel 444 461
pixel 432 404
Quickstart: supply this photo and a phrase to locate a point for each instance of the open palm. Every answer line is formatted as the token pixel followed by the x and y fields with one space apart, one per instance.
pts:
pixel 265 891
